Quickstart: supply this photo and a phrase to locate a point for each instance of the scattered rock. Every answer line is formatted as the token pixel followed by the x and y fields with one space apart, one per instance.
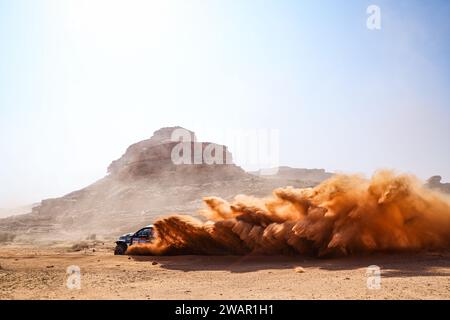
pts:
pixel 154 263
pixel 50 266
pixel 299 270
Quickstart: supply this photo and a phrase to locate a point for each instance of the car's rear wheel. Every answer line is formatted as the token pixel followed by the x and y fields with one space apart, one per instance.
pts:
pixel 120 249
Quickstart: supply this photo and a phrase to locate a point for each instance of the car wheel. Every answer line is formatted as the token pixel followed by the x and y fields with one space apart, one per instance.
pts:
pixel 120 250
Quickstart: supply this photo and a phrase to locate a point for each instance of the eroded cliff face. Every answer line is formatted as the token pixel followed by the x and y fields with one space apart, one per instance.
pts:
pixel 154 158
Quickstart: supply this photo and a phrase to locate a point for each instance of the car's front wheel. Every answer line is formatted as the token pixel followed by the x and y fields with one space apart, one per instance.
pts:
pixel 120 249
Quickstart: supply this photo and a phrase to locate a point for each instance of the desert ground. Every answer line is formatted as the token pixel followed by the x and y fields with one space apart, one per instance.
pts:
pixel 39 272
pixel 145 185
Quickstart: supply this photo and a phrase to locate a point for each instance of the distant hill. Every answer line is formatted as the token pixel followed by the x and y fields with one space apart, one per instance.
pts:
pixel 16 211
pixel 313 176
pixel 435 183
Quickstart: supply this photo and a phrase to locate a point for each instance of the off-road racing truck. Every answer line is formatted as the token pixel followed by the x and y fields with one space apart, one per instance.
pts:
pixel 144 235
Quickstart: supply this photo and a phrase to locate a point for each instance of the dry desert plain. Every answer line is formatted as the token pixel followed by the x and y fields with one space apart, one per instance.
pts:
pixel 39 272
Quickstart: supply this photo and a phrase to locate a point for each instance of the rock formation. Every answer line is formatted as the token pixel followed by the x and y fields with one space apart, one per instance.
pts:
pixel 313 176
pixel 153 157
pixel 435 183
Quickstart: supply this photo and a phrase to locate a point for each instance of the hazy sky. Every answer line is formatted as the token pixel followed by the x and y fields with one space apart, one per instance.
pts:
pixel 82 80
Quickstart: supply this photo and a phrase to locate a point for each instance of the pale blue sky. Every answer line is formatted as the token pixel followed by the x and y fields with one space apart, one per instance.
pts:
pixel 82 80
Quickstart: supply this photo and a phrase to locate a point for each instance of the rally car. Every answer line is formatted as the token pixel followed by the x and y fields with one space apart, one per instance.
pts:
pixel 144 235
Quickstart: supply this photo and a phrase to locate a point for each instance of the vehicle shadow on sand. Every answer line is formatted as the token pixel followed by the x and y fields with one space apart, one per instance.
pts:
pixel 392 265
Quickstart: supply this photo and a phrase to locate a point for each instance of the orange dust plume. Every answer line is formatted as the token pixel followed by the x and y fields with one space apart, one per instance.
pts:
pixel 344 215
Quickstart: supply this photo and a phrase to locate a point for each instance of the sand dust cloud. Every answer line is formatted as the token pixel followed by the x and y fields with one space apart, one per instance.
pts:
pixel 344 215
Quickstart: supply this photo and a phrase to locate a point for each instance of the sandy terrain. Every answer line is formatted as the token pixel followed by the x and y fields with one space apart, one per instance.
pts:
pixel 28 272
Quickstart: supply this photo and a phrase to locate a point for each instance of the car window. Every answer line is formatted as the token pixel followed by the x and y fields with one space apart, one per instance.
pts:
pixel 144 233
